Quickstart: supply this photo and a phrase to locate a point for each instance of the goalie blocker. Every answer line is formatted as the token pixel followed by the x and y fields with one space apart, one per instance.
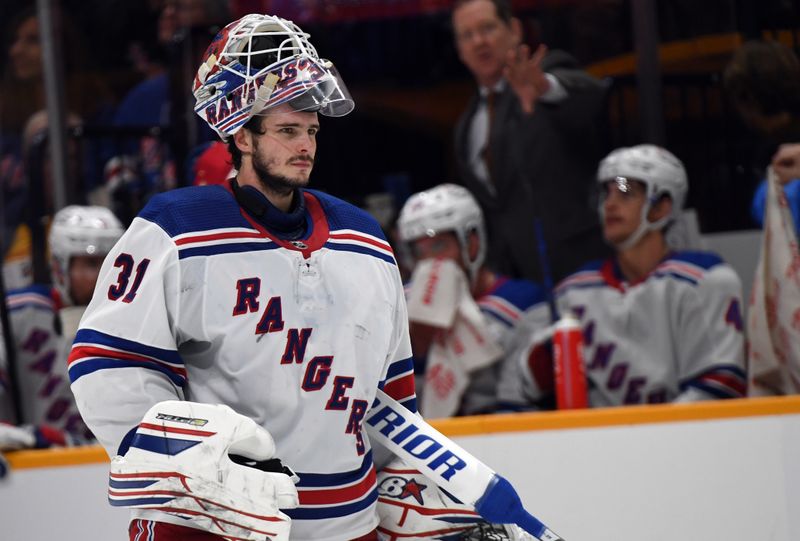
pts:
pixel 448 465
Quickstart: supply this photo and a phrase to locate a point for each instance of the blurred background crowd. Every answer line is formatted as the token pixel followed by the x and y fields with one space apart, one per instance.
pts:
pixel 399 58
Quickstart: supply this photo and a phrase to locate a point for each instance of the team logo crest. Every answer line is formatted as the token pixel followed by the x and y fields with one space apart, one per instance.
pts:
pixel 401 488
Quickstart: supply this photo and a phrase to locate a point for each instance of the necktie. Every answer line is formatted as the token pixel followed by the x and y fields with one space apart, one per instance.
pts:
pixel 487 147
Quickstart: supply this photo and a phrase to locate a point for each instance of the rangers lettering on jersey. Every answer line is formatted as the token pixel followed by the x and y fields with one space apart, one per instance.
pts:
pixel 297 338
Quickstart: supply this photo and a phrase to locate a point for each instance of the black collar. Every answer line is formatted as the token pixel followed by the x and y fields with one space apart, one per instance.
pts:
pixel 286 225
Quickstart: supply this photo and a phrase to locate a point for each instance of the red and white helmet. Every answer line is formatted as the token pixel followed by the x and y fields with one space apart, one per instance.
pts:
pixel 412 508
pixel 79 230
pixel 259 62
pixel 441 209
pixel 659 170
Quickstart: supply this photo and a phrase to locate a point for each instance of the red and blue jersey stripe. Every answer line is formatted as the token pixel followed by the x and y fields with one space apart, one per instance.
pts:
pixel 350 240
pixel 726 381
pixel 399 383
pixel 93 350
pixel 330 495
pixel 37 297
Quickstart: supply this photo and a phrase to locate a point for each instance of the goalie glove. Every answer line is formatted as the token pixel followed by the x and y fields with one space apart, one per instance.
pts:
pixel 208 465
pixel 412 508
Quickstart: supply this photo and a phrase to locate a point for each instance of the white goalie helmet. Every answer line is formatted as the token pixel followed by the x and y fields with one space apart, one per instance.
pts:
pixel 208 465
pixel 412 508
pixel 659 170
pixel 259 62
pixel 79 230
pixel 441 209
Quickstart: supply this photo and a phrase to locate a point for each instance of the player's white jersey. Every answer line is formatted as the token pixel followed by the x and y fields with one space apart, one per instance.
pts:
pixel 511 310
pixel 675 335
pixel 199 301
pixel 41 362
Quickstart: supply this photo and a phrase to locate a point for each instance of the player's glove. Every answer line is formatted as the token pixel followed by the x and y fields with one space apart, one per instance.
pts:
pixel 413 508
pixel 208 465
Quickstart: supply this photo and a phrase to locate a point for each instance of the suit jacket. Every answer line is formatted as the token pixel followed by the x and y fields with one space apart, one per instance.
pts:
pixel 543 168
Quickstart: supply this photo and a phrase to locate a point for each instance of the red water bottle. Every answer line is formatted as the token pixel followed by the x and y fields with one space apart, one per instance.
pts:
pixel 568 359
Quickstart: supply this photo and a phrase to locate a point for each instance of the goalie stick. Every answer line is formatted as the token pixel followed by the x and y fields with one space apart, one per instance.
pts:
pixel 449 466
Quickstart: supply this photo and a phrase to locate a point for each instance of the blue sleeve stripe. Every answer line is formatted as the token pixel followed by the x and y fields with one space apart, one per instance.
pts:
pixel 90 336
pixel 398 368
pixel 78 370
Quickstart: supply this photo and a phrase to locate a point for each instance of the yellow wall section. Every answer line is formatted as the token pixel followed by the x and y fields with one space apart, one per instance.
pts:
pixel 519 422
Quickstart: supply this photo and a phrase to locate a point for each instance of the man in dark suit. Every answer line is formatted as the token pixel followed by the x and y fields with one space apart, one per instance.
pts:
pixel 528 145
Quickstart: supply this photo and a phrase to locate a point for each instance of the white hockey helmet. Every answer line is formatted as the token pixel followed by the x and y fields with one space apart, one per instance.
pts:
pixel 441 209
pixel 79 230
pixel 259 62
pixel 659 170
pixel 411 507
pixel 208 465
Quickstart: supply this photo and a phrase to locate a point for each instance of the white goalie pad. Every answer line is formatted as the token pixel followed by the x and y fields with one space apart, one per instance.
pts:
pixel 411 507
pixel 179 462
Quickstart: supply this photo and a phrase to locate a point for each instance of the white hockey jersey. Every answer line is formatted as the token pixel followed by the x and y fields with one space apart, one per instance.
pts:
pixel 676 335
pixel 41 363
pixel 200 301
pixel 510 311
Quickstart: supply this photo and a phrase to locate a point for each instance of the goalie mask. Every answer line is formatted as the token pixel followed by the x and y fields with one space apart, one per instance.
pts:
pixel 442 209
pixel 79 231
pixel 259 62
pixel 660 172
pixel 412 508
pixel 208 465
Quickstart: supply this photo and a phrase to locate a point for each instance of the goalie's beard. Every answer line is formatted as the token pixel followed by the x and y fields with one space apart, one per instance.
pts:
pixel 278 184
